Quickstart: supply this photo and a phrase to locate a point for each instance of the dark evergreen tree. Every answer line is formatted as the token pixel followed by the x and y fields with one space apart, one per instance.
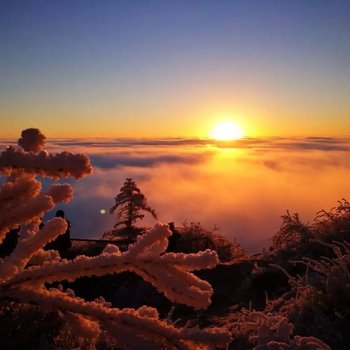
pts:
pixel 128 204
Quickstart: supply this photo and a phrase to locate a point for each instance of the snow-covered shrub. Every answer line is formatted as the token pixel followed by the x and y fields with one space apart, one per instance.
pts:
pixel 263 330
pixel 333 276
pixel 292 233
pixel 276 332
pixel 26 272
pixel 328 226
pixel 333 225
pixel 318 269
pixel 298 311
pixel 318 299
pixel 195 238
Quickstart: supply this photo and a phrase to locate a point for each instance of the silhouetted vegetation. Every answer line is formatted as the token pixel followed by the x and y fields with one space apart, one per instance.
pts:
pixel 128 204
pixel 195 238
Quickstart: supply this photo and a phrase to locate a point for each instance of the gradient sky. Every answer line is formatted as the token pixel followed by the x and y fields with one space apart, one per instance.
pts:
pixel 173 68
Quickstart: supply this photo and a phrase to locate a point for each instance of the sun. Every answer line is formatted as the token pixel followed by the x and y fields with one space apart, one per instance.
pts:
pixel 227 131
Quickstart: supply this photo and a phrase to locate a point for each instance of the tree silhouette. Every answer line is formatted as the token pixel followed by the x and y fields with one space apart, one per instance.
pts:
pixel 128 204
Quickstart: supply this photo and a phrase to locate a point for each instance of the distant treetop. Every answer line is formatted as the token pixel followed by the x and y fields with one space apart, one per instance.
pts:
pixel 128 204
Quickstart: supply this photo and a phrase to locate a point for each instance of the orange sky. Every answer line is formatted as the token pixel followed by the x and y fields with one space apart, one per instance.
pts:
pixel 166 70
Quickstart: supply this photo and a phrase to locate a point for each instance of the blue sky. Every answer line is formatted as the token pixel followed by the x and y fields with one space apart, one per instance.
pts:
pixel 174 63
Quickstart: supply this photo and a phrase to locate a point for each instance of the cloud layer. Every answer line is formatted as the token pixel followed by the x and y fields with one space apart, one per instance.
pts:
pixel 243 186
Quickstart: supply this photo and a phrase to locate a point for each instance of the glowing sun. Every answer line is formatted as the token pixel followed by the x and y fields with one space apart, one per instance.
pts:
pixel 226 131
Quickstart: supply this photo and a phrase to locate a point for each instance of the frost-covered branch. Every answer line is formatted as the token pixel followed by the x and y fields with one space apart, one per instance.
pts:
pixel 14 264
pixel 269 331
pixel 26 272
pixel 56 166
pixel 144 322
pixel 170 273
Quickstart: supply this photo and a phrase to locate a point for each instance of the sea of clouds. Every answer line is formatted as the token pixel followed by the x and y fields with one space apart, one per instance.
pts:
pixel 242 187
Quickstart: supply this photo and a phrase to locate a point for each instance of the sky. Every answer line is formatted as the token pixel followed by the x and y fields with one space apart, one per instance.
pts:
pixel 151 69
pixel 140 85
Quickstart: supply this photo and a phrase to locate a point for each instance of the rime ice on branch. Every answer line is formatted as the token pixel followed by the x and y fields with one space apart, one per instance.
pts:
pixel 21 198
pixel 22 202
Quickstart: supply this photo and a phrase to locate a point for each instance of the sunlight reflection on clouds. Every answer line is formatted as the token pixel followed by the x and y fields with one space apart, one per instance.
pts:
pixel 243 186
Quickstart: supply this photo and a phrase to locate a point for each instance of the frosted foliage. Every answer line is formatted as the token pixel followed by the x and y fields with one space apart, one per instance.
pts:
pixel 32 140
pixel 60 192
pixel 269 331
pixel 23 202
pixel 26 272
pixel 111 249
pixel 83 329
pixel 56 166
pixel 41 256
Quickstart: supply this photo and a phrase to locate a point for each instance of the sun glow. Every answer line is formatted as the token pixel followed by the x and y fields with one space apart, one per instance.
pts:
pixel 226 131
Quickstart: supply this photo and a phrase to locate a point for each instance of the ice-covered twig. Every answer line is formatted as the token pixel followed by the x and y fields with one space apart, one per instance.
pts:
pixel 56 166
pixel 25 273
pixel 170 273
pixel 144 322
pixel 14 264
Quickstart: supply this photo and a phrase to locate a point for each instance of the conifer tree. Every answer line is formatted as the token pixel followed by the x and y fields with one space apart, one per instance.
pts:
pixel 128 204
